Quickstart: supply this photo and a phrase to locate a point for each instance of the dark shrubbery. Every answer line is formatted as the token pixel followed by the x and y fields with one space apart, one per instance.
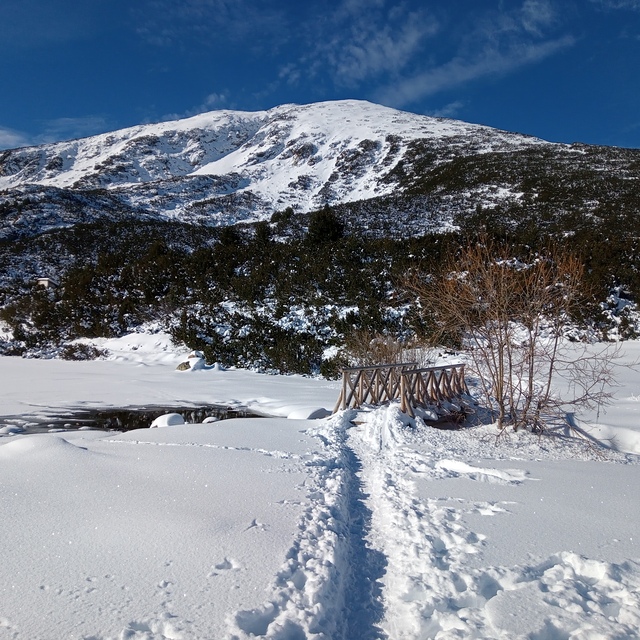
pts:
pixel 242 295
pixel 81 352
pixel 275 296
pixel 324 226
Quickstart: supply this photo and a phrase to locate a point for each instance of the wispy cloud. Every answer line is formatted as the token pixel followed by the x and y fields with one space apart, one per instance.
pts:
pixel 536 16
pixel 461 70
pixel 393 51
pixel 55 131
pixel 10 139
pixel 70 128
pixel 361 41
pixel 400 56
pixel 448 110
pixel 212 102
pixel 369 49
pixel 344 45
pixel 499 43
pixel 216 100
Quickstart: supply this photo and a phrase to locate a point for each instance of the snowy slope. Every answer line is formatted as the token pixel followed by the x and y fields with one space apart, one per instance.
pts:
pixel 224 166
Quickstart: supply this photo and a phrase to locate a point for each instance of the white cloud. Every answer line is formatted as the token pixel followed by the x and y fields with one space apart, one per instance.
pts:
pixel 386 48
pixel 216 100
pixel 495 43
pixel 373 51
pixel 460 70
pixel 399 55
pixel 11 139
pixel 448 110
pixel 363 40
pixel 212 102
pixel 290 73
pixel 537 15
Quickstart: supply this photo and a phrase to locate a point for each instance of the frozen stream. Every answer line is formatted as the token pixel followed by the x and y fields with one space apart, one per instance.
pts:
pixel 115 419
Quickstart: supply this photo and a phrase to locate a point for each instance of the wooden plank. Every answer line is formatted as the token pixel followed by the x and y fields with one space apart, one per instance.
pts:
pixel 380 384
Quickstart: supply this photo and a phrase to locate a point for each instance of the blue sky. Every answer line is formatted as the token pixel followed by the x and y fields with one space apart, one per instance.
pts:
pixel 563 70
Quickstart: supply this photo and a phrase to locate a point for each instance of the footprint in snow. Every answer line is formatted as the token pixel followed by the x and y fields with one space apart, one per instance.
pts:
pixel 489 508
pixel 228 564
pixel 255 524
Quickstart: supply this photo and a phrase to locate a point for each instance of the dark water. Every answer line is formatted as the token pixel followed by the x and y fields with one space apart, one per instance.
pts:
pixel 124 419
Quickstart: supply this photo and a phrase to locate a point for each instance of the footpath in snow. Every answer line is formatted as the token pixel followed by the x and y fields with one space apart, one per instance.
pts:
pixel 362 525
pixel 538 543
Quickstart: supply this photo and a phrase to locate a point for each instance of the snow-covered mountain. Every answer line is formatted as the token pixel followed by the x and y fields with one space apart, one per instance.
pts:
pixel 225 166
pixel 125 222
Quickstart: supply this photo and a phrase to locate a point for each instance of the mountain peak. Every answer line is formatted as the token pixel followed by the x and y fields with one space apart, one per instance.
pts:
pixel 253 163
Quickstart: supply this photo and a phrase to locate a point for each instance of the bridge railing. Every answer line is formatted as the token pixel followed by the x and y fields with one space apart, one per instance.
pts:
pixel 431 386
pixel 402 381
pixel 371 385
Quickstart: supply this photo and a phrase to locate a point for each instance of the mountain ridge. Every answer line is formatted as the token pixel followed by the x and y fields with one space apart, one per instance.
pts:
pixel 270 239
pixel 252 163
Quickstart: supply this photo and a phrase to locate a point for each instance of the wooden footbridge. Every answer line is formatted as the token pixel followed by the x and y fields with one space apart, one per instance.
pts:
pixel 430 387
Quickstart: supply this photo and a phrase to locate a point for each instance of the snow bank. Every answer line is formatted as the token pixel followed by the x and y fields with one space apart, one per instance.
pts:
pixel 151 534
pixel 167 420
pixel 361 525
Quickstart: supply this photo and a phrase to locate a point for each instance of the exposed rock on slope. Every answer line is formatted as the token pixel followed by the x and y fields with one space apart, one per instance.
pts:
pixel 223 167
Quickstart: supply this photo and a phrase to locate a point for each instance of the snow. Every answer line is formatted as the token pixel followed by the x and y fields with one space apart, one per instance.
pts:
pixel 301 156
pixel 359 525
pixel 122 537
pixel 167 420
pixel 512 548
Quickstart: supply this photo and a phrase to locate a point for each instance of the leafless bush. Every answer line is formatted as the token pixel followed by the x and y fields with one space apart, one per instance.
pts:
pixel 509 316
pixel 364 348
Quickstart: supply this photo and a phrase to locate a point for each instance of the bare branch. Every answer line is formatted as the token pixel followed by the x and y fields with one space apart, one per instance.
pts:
pixel 509 315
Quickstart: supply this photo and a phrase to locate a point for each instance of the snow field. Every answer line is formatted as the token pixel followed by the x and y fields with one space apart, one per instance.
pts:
pixel 438 583
pixel 159 536
pixel 361 526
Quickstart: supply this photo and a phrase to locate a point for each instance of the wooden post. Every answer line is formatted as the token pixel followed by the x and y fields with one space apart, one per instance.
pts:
pixel 374 384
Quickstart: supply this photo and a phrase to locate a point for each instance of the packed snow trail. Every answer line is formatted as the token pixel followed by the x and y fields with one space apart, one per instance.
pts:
pixel 328 588
pixel 372 564
pixel 423 542
pixel 379 556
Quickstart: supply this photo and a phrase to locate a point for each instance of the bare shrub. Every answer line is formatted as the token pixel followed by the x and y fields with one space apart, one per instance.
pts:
pixel 509 316
pixel 365 348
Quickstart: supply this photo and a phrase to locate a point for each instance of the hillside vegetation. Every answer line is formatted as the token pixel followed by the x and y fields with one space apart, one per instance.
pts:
pixel 274 295
pixel 274 239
